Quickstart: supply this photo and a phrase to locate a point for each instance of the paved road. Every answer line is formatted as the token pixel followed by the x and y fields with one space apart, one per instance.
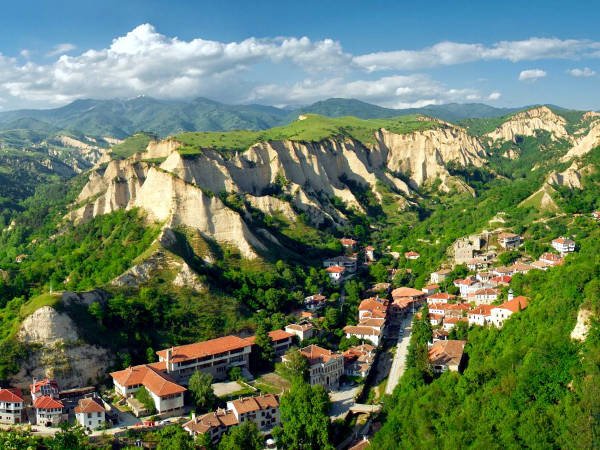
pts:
pixel 342 401
pixel 399 363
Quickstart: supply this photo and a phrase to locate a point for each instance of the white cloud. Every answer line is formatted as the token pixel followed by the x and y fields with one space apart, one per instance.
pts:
pixel 585 72
pixel 494 96
pixel 532 74
pixel 451 53
pixel 61 49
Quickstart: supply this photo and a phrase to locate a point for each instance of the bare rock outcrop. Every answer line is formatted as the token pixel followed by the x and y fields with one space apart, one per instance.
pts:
pixel 571 177
pixel 187 278
pixel 527 123
pixel 57 351
pixel 582 326
pixel 583 145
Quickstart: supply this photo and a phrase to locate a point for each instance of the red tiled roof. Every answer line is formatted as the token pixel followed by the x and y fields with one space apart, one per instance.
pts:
pixel 316 354
pixel 441 296
pixel 257 403
pixel 563 240
pixel 367 331
pixel 483 310
pixel 347 241
pixel 514 304
pixel 89 405
pixel 431 286
pixel 37 386
pixel 205 348
pixel 411 254
pixel 507 236
pixel 11 395
pixel 502 279
pixel 407 292
pixel 215 419
pixel 154 380
pixel 446 352
pixel 335 269
pixel 46 402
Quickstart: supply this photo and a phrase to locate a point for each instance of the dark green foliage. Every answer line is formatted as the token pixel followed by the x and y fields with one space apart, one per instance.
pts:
pixel 295 366
pixel 527 385
pixel 264 346
pixel 174 437
pixel 144 397
pixel 304 416
pixel 200 387
pixel 245 436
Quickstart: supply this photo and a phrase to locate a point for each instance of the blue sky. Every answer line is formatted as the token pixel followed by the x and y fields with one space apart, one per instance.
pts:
pixel 396 54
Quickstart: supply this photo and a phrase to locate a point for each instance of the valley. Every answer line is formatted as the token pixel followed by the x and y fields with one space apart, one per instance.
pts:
pixel 294 247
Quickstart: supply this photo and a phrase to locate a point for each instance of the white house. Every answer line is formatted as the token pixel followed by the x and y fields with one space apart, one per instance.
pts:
pixel 563 245
pixel 166 394
pixel 90 413
pixel 44 388
pixel 482 315
pixel 11 406
pixel 499 314
pixel 509 240
pixel 412 255
pixel 551 259
pixel 440 275
pixel 325 367
pixel 358 360
pixel 214 424
pixel 430 289
pixel 48 411
pixel 348 263
pixel 486 295
pixel 336 274
pixel 315 302
pixel 263 410
pixel 364 332
pixel 304 330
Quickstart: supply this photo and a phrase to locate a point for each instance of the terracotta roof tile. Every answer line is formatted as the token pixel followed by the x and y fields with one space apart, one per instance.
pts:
pixel 89 405
pixel 11 395
pixel 46 402
pixel 206 348
pixel 154 380
pixel 257 403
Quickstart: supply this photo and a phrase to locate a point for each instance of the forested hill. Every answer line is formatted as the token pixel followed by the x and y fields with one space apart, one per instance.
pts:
pixel 122 118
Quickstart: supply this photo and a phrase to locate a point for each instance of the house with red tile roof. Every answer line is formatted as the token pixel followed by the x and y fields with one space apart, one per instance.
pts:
pixel 485 295
pixel 358 360
pixel 440 297
pixel 348 243
pixel 45 387
pixel 501 313
pixel 447 355
pixel 450 322
pixel 509 240
pixel 303 329
pixel 48 411
pixel 350 263
pixel 90 413
pixel 412 255
pixel 374 307
pixel 315 302
pixel 215 356
pixel 263 410
pixel 563 245
pixel 336 274
pixel 12 406
pixel 325 367
pixel 165 392
pixel 551 259
pixel 440 275
pixel 214 424
pixel 430 289
pixel 481 315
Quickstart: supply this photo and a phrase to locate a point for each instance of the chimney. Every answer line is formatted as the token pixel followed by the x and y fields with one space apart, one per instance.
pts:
pixel 193 415
pixel 511 294
pixel 169 353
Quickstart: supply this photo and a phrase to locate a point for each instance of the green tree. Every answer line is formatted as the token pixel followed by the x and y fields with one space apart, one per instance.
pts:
pixel 295 366
pixel 304 413
pixel 174 437
pixel 332 319
pixel 144 397
pixel 245 436
pixel 264 344
pixel 202 392
pixel 69 437
pixel 97 311
pixel 150 355
pixel 235 373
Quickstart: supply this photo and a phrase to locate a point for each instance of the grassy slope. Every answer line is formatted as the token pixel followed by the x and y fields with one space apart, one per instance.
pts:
pixel 136 143
pixel 313 128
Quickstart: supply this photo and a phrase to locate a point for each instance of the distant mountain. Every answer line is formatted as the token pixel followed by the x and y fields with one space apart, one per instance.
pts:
pixel 122 118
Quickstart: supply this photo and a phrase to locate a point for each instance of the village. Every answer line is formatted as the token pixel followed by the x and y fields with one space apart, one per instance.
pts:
pixel 356 376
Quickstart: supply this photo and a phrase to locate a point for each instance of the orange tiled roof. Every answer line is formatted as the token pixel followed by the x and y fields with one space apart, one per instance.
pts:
pixel 89 405
pixel 316 354
pixel 276 335
pixel 484 310
pixel 257 403
pixel 205 348
pixel 407 292
pixel 157 382
pixel 441 296
pixel 11 395
pixel 367 331
pixel 215 419
pixel 335 269
pixel 514 304
pixel 446 352
pixel 46 402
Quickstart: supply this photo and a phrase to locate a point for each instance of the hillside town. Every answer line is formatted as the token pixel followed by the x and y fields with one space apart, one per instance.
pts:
pixel 356 375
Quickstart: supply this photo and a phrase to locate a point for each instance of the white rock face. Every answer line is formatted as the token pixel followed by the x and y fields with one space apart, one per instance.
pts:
pixel 585 144
pixel 47 327
pixel 187 278
pixel 177 192
pixel 140 273
pixel 526 123
pixel 582 326
pixel 571 177
pixel 58 352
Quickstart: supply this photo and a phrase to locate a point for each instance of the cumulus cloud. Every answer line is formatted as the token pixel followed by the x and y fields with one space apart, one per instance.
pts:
pixel 585 72
pixel 532 74
pixel 450 53
pixel 61 49
pixel 144 61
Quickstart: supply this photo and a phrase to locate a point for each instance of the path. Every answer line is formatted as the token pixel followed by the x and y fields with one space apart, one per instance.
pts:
pixel 342 401
pixel 399 363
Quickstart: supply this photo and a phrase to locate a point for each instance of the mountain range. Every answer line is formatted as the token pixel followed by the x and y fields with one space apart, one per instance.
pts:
pixel 122 118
